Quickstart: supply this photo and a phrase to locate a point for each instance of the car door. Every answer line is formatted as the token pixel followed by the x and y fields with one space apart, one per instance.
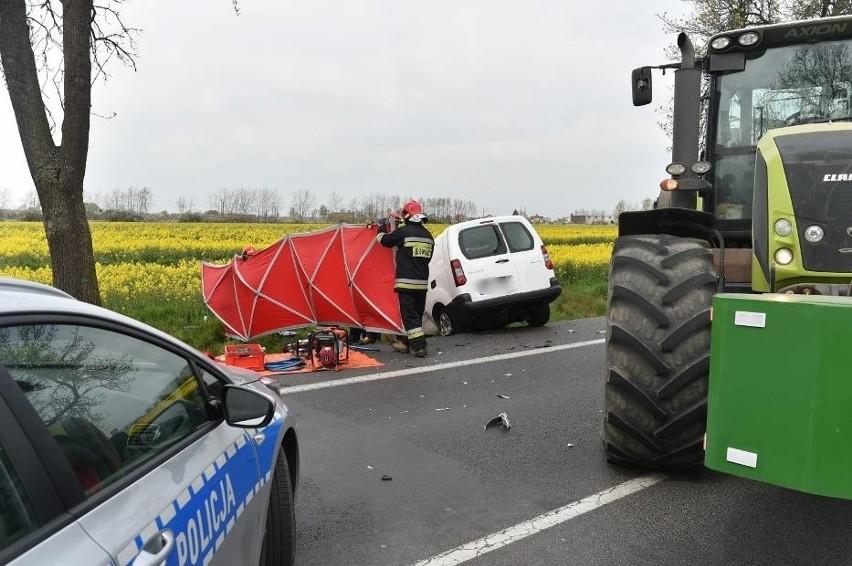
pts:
pixel 162 479
pixel 487 262
pixel 34 526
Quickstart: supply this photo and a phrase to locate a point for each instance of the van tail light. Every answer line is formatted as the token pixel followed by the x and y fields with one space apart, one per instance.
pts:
pixel 458 273
pixel 548 263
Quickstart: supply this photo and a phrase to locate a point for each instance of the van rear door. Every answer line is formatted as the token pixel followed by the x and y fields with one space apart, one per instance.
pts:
pixel 487 263
pixel 526 254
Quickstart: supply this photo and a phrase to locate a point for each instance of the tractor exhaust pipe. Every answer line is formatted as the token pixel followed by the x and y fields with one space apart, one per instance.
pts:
pixel 685 120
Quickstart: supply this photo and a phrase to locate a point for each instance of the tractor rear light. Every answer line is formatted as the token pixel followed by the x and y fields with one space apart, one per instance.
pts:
pixel 668 184
pixel 547 261
pixel 458 273
pixel 783 227
pixel 783 256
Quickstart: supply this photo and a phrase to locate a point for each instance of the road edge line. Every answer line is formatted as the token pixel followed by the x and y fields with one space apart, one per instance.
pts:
pixel 477 548
pixel 437 367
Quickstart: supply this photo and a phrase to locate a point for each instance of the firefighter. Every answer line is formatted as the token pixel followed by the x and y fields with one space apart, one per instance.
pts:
pixel 414 245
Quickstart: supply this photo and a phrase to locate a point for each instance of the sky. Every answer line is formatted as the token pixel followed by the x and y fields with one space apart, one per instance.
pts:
pixel 511 105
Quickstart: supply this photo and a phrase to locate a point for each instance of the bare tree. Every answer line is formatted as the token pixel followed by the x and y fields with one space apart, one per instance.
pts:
pixel 335 202
pixel 4 198
pixel 219 200
pixel 301 204
pixel 87 35
pixel 185 205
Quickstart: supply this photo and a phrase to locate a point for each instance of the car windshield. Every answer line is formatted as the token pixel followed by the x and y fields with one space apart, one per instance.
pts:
pixel 783 86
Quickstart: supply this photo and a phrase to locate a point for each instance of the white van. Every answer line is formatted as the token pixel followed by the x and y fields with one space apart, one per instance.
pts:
pixel 489 272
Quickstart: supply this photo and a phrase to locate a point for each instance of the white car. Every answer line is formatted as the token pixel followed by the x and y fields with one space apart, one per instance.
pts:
pixel 122 445
pixel 489 272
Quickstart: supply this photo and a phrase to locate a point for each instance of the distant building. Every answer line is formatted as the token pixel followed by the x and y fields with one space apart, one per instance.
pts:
pixel 593 217
pixel 537 219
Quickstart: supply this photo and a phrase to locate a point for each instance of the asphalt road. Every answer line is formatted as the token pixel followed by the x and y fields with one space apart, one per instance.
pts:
pixel 421 423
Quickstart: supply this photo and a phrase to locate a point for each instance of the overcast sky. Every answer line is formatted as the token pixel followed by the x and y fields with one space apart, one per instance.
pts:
pixel 510 104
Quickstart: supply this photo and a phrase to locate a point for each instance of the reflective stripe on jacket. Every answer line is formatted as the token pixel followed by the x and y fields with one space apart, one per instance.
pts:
pixel 414 245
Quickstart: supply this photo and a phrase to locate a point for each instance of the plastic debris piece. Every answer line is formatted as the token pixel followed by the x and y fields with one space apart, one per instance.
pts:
pixel 571 331
pixel 500 420
pixel 464 382
pixel 503 396
pixel 444 409
pixel 570 445
pixel 386 478
pixel 508 375
pixel 369 467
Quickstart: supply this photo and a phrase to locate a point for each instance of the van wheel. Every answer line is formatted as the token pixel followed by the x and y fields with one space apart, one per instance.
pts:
pixel 446 324
pixel 538 316
pixel 279 543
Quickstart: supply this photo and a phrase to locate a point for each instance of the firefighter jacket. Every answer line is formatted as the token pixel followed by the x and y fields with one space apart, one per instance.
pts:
pixel 414 245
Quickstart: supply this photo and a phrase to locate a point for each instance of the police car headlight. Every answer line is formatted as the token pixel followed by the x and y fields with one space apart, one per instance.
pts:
pixel 783 256
pixel 814 234
pixel 783 227
pixel 721 42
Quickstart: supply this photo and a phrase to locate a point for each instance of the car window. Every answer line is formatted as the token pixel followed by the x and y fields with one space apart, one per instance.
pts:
pixel 111 401
pixel 16 514
pixel 481 241
pixel 518 237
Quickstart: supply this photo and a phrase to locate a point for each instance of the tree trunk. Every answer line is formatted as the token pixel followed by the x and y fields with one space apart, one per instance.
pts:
pixel 57 171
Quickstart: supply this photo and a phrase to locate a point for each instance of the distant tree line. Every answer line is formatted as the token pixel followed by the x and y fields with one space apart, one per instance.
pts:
pixel 245 204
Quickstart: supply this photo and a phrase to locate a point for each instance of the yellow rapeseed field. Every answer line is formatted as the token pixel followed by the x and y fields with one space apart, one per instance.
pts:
pixel 154 266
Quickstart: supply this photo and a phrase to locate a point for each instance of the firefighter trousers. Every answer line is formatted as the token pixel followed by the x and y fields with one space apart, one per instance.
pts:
pixel 411 306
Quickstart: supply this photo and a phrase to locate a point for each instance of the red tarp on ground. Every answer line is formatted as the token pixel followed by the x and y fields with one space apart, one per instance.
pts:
pixel 335 276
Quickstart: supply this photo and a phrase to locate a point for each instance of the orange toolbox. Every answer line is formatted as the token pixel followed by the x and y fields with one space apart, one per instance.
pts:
pixel 249 356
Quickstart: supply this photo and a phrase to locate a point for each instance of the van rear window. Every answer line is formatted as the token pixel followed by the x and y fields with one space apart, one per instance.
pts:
pixel 481 241
pixel 519 238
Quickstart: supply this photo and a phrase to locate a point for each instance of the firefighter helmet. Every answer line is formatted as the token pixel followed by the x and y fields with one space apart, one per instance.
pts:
pixel 410 208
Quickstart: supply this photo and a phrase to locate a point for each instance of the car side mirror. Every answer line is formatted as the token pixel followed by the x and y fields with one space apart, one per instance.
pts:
pixel 641 86
pixel 246 408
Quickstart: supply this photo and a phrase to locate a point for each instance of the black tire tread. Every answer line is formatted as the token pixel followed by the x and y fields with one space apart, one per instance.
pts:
pixel 657 350
pixel 279 542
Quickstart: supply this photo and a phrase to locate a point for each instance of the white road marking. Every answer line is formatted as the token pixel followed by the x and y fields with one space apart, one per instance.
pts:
pixel 520 531
pixel 436 367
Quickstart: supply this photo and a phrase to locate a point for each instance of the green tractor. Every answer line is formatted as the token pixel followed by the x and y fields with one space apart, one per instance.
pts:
pixel 762 205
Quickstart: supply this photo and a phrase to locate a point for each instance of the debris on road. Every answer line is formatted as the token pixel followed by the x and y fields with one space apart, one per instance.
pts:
pixel 502 420
pixel 444 409
pixel 508 375
pixel 503 397
pixel 570 445
pixel 386 478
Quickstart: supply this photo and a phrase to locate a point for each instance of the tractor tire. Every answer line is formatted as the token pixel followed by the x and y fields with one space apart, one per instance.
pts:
pixel 279 542
pixel 538 316
pixel 658 351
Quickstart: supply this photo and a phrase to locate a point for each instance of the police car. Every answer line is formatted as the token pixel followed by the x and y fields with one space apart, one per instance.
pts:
pixel 122 445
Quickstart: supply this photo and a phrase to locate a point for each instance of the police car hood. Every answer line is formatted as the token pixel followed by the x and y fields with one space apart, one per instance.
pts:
pixel 240 376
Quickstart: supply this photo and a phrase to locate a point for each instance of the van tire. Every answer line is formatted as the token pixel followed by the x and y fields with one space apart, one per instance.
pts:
pixel 657 351
pixel 279 542
pixel 539 315
pixel 446 323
